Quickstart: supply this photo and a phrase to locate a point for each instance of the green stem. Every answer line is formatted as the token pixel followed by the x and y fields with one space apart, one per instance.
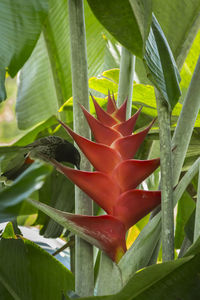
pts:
pixel 197 214
pixel 185 125
pixel 166 178
pixel 84 275
pixel 126 76
pixel 72 259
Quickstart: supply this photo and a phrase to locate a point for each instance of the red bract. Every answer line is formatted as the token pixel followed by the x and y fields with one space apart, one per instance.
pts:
pixel 113 183
pixel 105 232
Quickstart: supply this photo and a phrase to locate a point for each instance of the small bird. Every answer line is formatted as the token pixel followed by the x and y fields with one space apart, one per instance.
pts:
pixel 47 148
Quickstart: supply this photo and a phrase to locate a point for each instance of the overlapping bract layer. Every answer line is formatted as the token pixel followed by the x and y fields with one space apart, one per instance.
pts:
pixel 113 183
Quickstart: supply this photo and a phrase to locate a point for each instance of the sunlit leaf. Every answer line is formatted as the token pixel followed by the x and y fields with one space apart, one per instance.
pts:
pixel 127 21
pixel 20 276
pixel 161 65
pixel 179 21
pixel 45 79
pixel 17 20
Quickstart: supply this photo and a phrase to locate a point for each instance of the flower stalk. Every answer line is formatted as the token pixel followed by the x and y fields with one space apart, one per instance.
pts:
pixel 126 77
pixel 166 179
pixel 84 279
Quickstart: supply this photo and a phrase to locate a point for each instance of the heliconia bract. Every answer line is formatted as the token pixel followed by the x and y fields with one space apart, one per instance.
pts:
pixel 113 184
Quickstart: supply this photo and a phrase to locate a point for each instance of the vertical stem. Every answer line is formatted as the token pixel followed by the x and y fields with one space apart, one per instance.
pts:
pixel 84 277
pixel 126 77
pixel 166 178
pixel 186 121
pixel 197 214
pixel 72 254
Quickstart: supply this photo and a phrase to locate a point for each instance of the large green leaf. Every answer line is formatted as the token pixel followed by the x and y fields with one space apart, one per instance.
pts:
pixel 45 80
pixel 127 21
pixel 29 272
pixel 12 196
pixel 20 26
pixel 36 100
pixel 171 280
pixel 180 21
pixel 161 65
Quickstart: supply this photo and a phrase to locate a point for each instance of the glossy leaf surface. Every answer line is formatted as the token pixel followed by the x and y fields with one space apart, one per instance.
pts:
pixel 20 276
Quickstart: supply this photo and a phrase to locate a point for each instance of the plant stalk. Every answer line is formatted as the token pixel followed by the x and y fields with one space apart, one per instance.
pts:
pixel 166 178
pixel 185 125
pixel 126 77
pixel 84 275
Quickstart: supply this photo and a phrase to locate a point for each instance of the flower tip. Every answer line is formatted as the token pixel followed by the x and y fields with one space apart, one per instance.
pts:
pixel 111 106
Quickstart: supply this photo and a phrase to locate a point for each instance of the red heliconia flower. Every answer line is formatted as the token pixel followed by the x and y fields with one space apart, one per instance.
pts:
pixel 113 184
